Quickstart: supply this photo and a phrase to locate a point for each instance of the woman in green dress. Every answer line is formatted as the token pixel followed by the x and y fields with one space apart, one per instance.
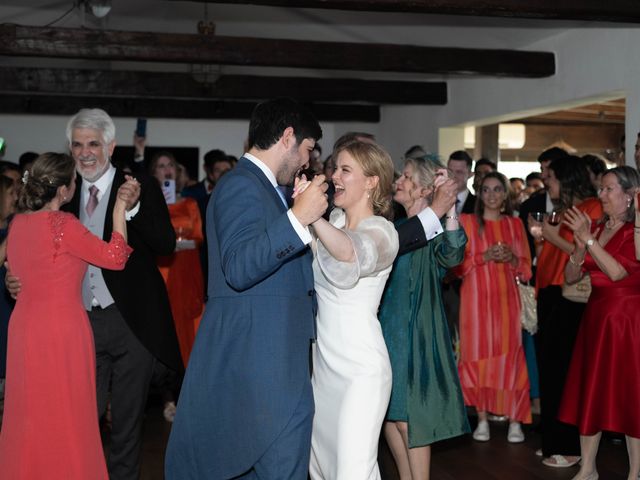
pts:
pixel 426 400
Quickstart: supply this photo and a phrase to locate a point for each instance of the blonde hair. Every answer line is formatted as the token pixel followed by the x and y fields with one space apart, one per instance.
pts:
pixel 424 171
pixel 375 162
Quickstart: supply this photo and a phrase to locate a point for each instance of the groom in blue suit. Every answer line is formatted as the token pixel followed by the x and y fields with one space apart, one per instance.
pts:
pixel 246 404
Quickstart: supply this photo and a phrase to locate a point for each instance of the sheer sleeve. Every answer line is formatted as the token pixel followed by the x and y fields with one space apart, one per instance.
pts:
pixel 70 236
pixel 375 244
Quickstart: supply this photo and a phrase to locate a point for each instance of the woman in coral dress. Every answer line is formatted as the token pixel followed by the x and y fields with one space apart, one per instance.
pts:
pixel 493 369
pixel 50 428
pixel 602 391
pixel 181 271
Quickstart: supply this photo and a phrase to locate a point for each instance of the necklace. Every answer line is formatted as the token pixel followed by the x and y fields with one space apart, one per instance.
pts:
pixel 611 224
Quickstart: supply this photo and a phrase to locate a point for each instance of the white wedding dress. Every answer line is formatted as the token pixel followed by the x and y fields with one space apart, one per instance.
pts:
pixel 351 370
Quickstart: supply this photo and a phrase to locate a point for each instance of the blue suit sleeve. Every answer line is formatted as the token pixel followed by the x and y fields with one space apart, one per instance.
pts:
pixel 253 244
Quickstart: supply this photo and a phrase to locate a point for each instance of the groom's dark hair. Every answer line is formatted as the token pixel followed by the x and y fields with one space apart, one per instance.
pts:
pixel 270 119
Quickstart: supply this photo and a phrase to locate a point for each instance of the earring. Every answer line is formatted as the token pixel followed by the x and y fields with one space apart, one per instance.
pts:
pixel 368 195
pixel 628 202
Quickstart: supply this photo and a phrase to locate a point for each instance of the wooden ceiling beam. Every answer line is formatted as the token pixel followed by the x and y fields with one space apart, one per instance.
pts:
pixel 208 86
pixel 77 43
pixel 592 10
pixel 170 108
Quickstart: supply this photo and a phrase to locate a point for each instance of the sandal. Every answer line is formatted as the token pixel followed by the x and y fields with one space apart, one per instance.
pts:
pixel 560 461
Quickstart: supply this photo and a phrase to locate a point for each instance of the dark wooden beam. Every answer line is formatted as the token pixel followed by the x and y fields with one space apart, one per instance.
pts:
pixel 170 108
pixel 202 86
pixel 593 10
pixel 18 40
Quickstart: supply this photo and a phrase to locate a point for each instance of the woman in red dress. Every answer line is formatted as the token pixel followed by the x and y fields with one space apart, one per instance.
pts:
pixel 50 428
pixel 602 391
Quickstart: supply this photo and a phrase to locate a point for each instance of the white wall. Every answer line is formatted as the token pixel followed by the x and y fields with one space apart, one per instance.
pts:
pixel 592 64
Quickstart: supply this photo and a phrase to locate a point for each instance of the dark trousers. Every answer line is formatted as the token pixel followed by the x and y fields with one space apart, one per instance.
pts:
pixel 125 365
pixel 558 322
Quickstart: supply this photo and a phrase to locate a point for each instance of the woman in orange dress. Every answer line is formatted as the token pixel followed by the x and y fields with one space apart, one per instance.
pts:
pixel 493 369
pixel 181 270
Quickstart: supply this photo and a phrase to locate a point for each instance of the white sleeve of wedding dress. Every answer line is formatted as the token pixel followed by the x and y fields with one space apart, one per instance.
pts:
pixel 375 244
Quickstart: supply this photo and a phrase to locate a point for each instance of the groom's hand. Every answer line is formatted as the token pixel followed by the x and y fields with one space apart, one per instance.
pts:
pixel 444 197
pixel 311 204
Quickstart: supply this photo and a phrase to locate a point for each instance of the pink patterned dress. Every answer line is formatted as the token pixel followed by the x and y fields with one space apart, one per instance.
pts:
pixel 492 367
pixel 50 426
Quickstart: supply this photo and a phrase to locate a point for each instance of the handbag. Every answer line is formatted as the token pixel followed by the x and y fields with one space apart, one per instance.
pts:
pixel 579 291
pixel 528 310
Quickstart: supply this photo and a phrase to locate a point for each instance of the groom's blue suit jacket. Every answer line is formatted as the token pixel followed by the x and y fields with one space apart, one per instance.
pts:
pixel 250 363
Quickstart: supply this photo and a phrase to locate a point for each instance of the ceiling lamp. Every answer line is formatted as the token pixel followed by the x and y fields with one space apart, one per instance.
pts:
pixel 99 8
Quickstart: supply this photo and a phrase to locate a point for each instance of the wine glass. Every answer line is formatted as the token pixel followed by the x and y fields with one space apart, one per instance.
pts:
pixel 554 218
pixel 535 224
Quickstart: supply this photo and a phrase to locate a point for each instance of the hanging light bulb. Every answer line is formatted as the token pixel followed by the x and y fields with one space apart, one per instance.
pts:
pixel 99 8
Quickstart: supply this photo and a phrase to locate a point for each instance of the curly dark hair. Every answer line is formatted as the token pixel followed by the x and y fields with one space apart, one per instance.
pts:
pixel 49 172
pixel 575 184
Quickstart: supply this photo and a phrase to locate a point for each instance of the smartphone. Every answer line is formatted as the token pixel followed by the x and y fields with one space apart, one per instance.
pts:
pixel 141 127
pixel 169 191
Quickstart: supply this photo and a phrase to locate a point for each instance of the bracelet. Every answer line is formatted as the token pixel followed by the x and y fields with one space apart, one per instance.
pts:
pixel 572 260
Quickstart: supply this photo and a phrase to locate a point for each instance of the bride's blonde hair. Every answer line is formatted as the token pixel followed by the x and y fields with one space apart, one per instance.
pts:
pixel 375 162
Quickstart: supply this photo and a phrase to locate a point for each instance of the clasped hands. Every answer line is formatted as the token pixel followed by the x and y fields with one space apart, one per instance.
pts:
pixel 129 192
pixel 309 199
pixel 499 253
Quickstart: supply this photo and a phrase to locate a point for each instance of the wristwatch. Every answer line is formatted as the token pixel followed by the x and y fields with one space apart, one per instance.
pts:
pixel 590 242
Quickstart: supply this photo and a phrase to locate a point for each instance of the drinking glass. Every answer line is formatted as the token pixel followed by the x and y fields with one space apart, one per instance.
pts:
pixel 554 218
pixel 535 224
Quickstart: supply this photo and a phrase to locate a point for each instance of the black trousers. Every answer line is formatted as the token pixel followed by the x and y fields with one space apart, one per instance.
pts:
pixel 558 322
pixel 124 367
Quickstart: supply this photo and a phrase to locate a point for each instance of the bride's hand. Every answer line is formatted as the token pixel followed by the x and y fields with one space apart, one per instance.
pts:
pixel 300 185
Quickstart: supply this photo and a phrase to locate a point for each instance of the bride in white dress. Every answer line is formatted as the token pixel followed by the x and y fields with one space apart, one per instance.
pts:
pixel 354 254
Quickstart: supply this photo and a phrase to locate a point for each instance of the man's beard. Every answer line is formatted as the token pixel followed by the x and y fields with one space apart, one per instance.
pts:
pixel 97 174
pixel 286 174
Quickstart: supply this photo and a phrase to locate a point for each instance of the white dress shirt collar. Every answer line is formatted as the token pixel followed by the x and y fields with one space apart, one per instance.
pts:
pixel 262 166
pixel 102 183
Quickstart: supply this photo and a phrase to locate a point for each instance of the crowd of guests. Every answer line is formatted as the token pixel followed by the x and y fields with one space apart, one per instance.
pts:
pixel 410 331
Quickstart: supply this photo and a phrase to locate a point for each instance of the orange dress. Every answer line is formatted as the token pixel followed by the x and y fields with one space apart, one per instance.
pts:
pixel 492 367
pixel 50 426
pixel 182 274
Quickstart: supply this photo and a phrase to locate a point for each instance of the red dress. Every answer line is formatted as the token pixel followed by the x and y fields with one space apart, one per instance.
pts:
pixel 182 274
pixel 602 391
pixel 50 428
pixel 492 366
